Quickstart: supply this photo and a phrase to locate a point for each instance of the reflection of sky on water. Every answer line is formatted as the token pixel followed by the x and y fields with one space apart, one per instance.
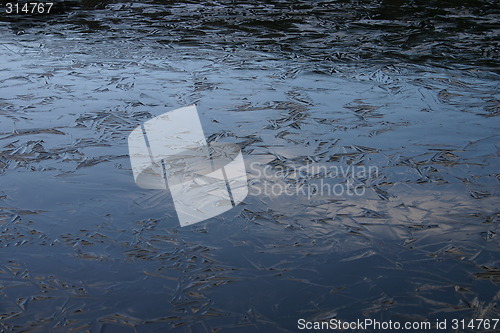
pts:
pixel 82 245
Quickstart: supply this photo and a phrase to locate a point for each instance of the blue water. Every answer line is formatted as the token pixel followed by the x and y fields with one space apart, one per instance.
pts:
pixel 409 89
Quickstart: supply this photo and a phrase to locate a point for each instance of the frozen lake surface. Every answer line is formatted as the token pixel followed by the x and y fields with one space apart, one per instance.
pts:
pixel 410 90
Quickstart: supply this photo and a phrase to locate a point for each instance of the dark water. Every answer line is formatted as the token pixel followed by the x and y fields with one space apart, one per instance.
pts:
pixel 410 87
